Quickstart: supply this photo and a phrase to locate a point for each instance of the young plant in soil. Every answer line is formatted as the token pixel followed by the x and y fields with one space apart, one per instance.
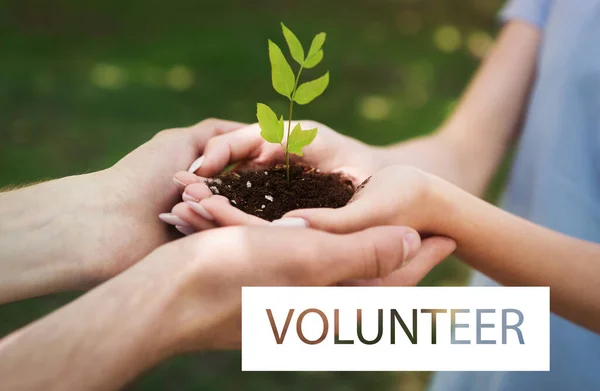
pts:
pixel 271 193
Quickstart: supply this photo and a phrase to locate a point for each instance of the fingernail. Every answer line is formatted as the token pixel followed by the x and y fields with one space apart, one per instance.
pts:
pixel 196 164
pixel 187 197
pixel 411 244
pixel 291 222
pixel 196 207
pixel 185 230
pixel 172 219
pixel 185 178
pixel 178 182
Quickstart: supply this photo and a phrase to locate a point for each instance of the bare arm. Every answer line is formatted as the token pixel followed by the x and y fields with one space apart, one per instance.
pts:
pixel 98 342
pixel 45 235
pixel 74 232
pixel 467 149
pixel 507 248
pixel 186 296
pixel 514 251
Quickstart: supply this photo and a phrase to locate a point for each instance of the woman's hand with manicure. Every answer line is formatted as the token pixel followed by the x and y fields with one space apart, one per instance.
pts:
pixel 330 152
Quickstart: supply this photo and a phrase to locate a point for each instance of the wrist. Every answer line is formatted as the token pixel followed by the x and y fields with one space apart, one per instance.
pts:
pixel 149 302
pixel 45 244
pixel 162 284
pixel 450 202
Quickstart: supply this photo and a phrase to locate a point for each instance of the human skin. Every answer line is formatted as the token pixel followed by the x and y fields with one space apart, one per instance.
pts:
pixel 511 250
pixel 75 232
pixel 185 296
pixel 460 158
pixel 466 150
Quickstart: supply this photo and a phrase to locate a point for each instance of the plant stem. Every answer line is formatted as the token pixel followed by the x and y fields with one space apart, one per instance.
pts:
pixel 287 143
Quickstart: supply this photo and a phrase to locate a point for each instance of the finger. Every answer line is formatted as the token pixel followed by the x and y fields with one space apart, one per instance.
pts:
pixel 433 251
pixel 357 215
pixel 184 178
pixel 350 218
pixel 226 149
pixel 329 259
pixel 172 219
pixel 205 130
pixel 224 214
pixel 307 257
pixel 211 127
pixel 196 192
pixel 192 218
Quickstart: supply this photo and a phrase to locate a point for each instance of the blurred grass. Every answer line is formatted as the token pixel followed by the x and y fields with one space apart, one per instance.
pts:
pixel 83 83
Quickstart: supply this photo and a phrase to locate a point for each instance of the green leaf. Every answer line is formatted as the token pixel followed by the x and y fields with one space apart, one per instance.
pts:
pixel 300 138
pixel 313 61
pixel 312 89
pixel 294 44
pixel 271 129
pixel 281 73
pixel 316 45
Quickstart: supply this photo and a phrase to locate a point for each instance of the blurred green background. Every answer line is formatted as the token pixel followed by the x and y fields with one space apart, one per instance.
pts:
pixel 84 82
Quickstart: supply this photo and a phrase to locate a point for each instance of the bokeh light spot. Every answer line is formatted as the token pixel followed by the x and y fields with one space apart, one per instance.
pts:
pixel 479 43
pixel 108 76
pixel 447 38
pixel 180 78
pixel 375 108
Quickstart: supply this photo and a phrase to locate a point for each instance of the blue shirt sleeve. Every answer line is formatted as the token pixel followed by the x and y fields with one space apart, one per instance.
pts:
pixel 534 12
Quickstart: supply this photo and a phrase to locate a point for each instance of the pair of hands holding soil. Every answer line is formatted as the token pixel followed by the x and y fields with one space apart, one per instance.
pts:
pixel 387 195
pixel 153 297
pixel 156 297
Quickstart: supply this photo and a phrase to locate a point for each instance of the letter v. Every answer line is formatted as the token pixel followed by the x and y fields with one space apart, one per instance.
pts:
pixel 279 338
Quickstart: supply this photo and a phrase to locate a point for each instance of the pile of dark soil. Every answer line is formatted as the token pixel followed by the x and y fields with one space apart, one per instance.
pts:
pixel 268 195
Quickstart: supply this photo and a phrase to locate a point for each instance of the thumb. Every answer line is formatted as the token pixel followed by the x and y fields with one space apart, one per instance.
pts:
pixel 350 218
pixel 370 254
pixel 432 252
pixel 357 215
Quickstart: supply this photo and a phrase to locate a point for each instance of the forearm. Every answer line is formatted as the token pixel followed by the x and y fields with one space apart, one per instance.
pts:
pixel 41 239
pixel 99 342
pixel 514 251
pixel 468 148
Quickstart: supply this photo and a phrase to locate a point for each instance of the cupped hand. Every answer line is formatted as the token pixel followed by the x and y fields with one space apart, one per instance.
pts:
pixel 206 271
pixel 330 152
pixel 394 195
pixel 136 189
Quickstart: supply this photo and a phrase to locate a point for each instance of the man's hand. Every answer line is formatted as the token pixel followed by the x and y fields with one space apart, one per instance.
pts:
pixel 186 295
pixel 77 231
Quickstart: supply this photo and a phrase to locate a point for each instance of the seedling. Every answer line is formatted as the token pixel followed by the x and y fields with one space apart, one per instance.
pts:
pixel 285 82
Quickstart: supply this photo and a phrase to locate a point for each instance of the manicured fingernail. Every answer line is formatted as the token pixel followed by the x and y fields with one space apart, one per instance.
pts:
pixel 185 230
pixel 186 178
pixel 411 245
pixel 179 183
pixel 196 164
pixel 172 219
pixel 291 222
pixel 196 207
pixel 187 197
